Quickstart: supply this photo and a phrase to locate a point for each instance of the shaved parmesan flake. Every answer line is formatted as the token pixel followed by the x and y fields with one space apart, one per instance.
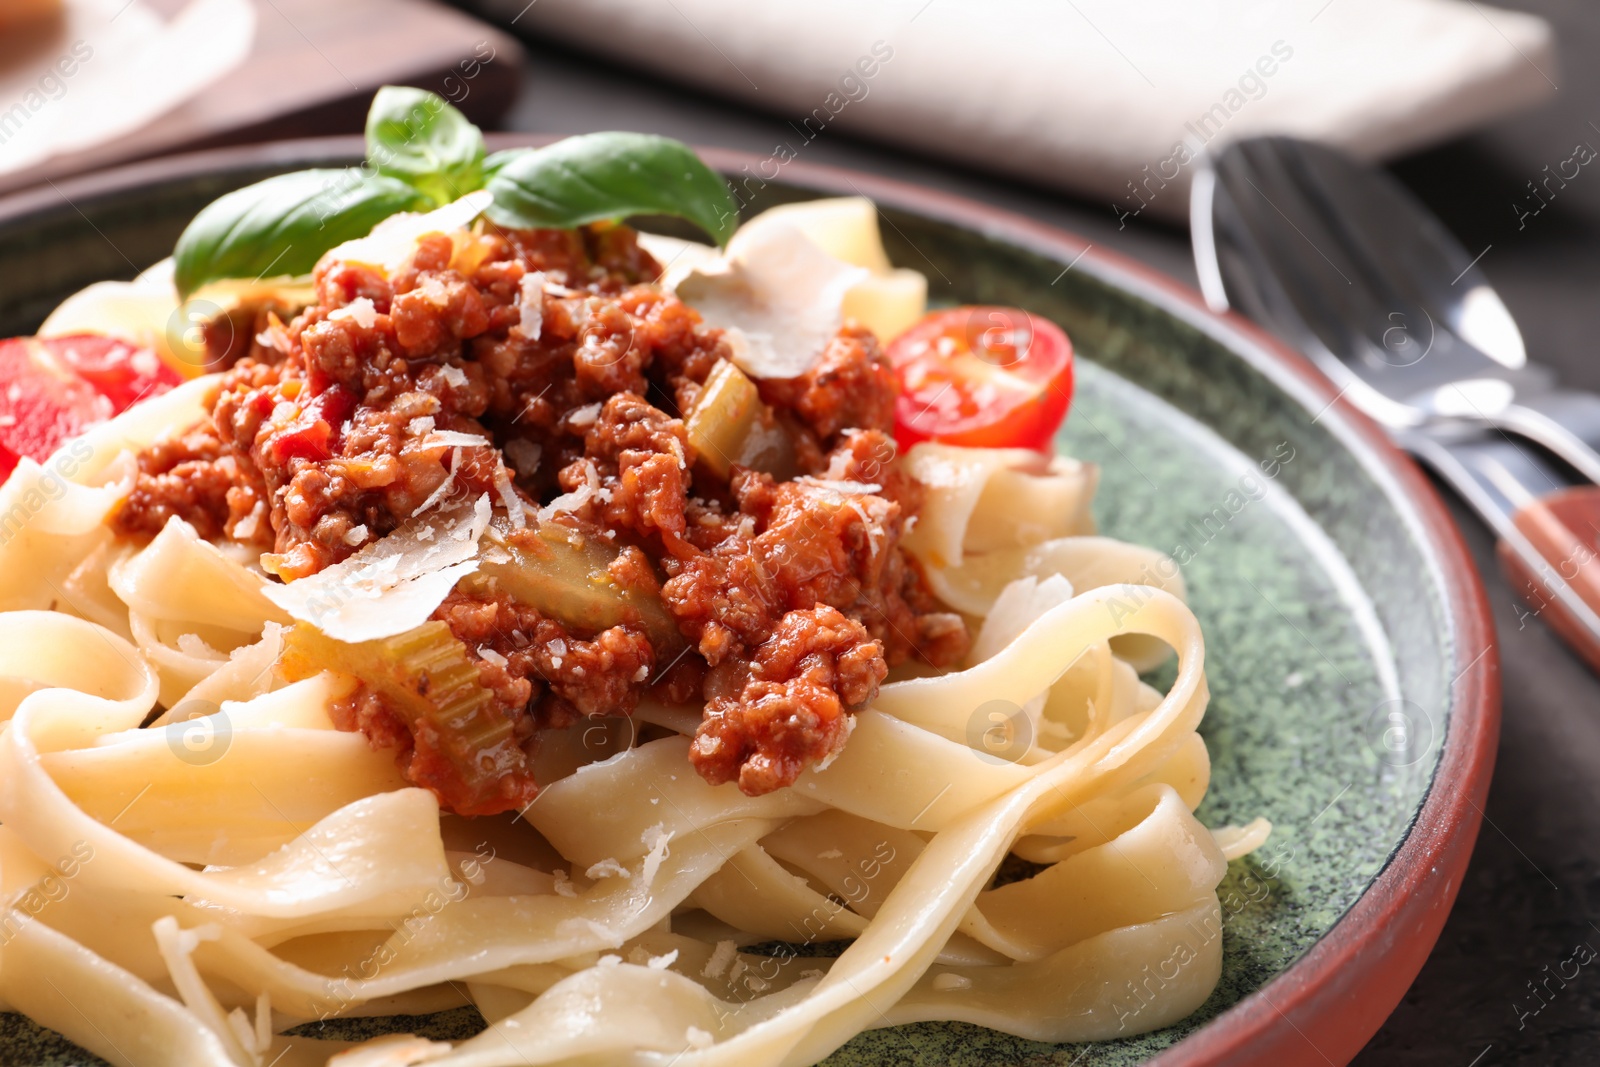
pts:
pixel 509 498
pixel 489 655
pixel 453 439
pixel 584 417
pixel 393 584
pixel 858 488
pixel 360 310
pixel 531 304
pixel 780 296
pixel 356 535
pixel 698 1038
pixel 564 886
pixel 392 241
pixel 661 963
pixel 831 854
pixel 610 959
pixel 577 498
pixel 420 426
pixel 676 256
pixel 454 376
pixel 445 486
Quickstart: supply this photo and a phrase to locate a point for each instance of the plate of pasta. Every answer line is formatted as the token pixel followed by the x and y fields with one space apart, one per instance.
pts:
pixel 593 603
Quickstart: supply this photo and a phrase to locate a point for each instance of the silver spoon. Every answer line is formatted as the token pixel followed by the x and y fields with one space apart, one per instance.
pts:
pixel 1394 309
pixel 1338 259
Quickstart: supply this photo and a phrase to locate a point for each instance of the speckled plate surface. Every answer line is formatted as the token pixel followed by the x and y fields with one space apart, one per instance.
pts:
pixel 1353 676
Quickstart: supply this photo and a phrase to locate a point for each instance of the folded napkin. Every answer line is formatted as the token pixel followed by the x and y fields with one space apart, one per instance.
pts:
pixel 1104 98
pixel 105 68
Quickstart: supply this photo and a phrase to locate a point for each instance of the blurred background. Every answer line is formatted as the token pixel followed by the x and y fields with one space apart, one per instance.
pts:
pixel 1083 115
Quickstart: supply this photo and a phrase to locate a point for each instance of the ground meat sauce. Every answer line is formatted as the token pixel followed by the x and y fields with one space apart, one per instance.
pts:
pixel 793 598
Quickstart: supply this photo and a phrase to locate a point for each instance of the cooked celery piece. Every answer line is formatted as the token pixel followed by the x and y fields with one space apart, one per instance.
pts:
pixel 729 424
pixel 424 676
pixel 565 575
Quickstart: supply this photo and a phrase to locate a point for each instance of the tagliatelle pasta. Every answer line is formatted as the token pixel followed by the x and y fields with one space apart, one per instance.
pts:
pixel 309 840
pixel 207 839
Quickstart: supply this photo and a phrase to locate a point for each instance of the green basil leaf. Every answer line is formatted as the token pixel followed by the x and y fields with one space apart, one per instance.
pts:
pixel 600 176
pixel 419 138
pixel 283 225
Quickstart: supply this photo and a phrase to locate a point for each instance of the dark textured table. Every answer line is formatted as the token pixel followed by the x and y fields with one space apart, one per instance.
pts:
pixel 1534 885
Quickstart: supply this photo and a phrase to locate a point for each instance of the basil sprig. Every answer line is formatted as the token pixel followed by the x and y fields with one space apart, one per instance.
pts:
pixel 284 224
pixel 608 175
pixel 415 136
pixel 423 153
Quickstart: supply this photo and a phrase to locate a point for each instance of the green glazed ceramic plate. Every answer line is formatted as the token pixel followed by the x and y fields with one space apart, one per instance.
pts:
pixel 1352 670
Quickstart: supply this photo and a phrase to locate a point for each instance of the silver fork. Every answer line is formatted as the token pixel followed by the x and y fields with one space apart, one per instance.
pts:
pixel 1340 261
pixel 1386 301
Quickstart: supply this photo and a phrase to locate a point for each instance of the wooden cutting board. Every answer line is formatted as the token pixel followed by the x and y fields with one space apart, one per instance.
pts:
pixel 312 70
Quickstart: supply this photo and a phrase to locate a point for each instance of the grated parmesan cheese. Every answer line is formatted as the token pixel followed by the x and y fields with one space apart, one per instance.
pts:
pixel 608 868
pixel 721 956
pixel 655 839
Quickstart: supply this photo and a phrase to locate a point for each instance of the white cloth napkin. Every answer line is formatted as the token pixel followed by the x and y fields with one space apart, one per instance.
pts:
pixel 1106 98
pixel 107 68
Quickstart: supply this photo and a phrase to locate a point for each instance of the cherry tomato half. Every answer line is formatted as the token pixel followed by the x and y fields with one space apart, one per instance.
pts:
pixel 984 377
pixel 55 388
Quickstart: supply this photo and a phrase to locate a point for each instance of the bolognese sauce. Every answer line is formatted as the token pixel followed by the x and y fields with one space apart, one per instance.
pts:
pixel 546 370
